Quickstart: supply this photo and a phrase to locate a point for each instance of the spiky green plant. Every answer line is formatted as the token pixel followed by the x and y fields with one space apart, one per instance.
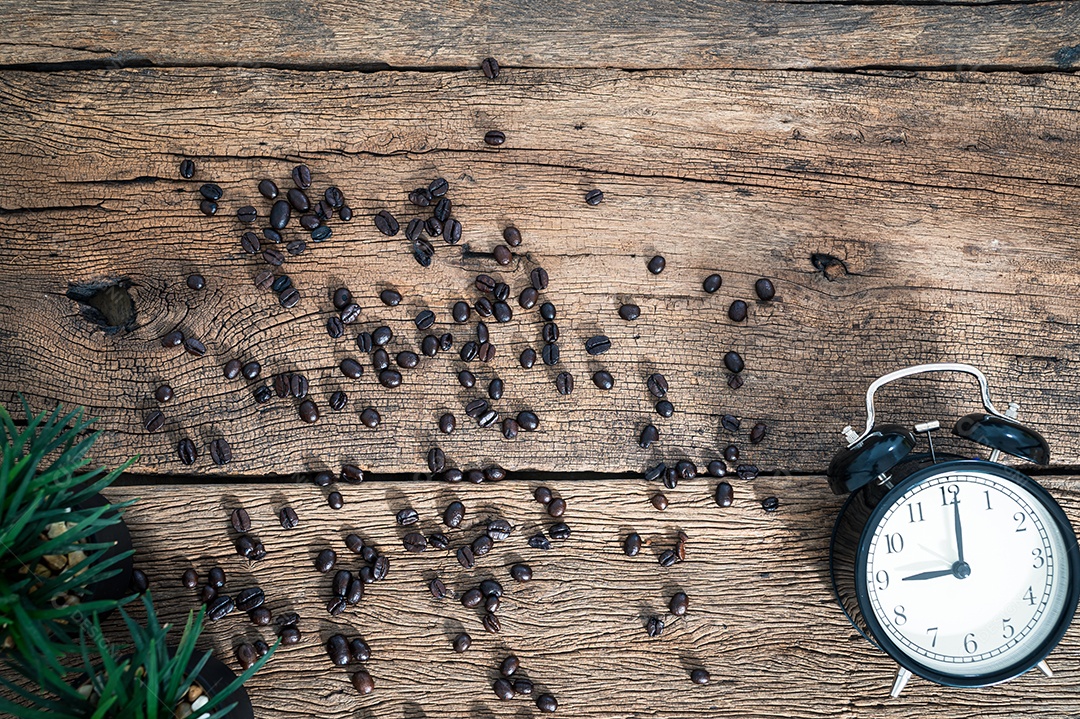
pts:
pixel 43 480
pixel 143 678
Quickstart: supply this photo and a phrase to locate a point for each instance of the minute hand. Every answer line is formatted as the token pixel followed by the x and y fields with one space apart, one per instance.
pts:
pixel 959 532
pixel 928 575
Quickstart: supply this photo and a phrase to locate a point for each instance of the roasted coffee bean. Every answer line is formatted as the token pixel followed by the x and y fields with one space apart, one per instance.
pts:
pixel 368 554
pixel 477 407
pixel 764 289
pixel 250 598
pixel 664 408
pixel 289 297
pixel 546 702
pixel 323 479
pixel 725 495
pixel 485 352
pixel 503 688
pixel 363 683
pixel 678 604
pixel 308 411
pixel 355 543
pixel 352 474
pixel 656 264
pixel 298 200
pixel 196 282
pixel 207 594
pixel 296 247
pixel 351 368
pixel 632 544
pixel 550 354
pixel 495 138
pixel 194 347
pixel 712 283
pixel 436 459
pixel 452 231
pixel 249 241
pixel 240 520
pixel 482 545
pixel 334 197
pixel 325 560
pixel 717 468
pixel 438 187
pixel 491 604
pixel 442 209
pixel 216 577
pixel 472 598
pixel 502 254
pixel 301 175
pixel 654 627
pixel 290 635
pixel 187 452
pixel 208 208
pixel 492 624
pixel 211 192
pixel 187 167
pixel 494 473
pixel 649 434
pixel 324 210
pixel 490 66
pixel 345 213
pixel 466 379
pixel 730 422
pixel 335 500
pixel 219 607
pixel 438 540
pixel 298 385
pixel 668 558
pixel 423 251
pixel 424 320
pixel 261 647
pixel 686 469
pixel 734 362
pixel 550 332
pixel 261 617
pixel 380 567
pixel 737 311
pixel 512 236
pixel 699 676
pixel 338 400
pixel 482 333
pixel 335 327
pixel 268 189
pixel 390 378
pixel 657 384
pixel 539 541
pixel 247 214
pixel 528 420
pixel 671 478
pixel 281 284
pixel 380 359
pixel 483 307
pixel 288 518
pixel 342 298
pixel 527 298
pixel 273 257
pixel 350 313
pixel 556 507
pixel 460 312
pixel 437 588
pixel 220 451
pixel 287 619
pixel 382 335
pixel 747 471
pixel 559 531
pixel 495 389
pixel 386 223
pixel 485 283
pixel 629 312
pixel 337 647
pixel 468 351
pixel 447 423
pixel 539 278
pixel 528 358
pixel 597 345
pixel 462 642
pixel 758 433
pixel 521 572
pixel 770 504
pixel 279 215
pixel 430 346
pixel 465 557
pixel 542 495
pixel 433 227
pixel 510 428
pixel 654 473
pixel 603 380
pixel 190 579
pixel 659 501
pixel 154 421
pixel 414 542
pixel 319 234
pixel 421 197
pixel 251 370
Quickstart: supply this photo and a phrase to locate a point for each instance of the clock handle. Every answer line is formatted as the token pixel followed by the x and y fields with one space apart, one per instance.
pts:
pixel 921 369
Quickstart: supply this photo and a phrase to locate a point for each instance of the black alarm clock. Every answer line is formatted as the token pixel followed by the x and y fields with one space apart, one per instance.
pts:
pixel 965 571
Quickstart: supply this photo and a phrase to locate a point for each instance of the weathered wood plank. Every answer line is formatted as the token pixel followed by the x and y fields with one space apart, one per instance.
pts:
pixel 747 33
pixel 952 253
pixel 762 618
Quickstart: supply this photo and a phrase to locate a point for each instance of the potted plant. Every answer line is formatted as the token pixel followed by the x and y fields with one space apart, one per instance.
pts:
pixel 64 550
pixel 144 678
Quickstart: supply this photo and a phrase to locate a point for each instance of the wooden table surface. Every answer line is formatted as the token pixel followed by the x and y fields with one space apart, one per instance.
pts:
pixel 908 176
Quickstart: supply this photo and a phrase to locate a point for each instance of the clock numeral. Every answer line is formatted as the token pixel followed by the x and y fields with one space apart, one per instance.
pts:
pixel 1030 596
pixel 933 641
pixel 882 579
pixel 1040 560
pixel 894 543
pixel 913 511
pixel 1020 518
pixel 952 489
pixel 987 493
pixel 970 645
pixel 1007 630
pixel 901 618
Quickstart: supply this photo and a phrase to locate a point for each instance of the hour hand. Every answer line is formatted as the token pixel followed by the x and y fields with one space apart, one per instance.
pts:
pixel 928 575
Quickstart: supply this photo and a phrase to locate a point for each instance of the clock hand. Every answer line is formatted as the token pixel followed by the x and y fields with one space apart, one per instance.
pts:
pixel 928 575
pixel 959 533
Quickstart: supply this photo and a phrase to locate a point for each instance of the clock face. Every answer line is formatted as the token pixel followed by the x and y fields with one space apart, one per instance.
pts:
pixel 967 573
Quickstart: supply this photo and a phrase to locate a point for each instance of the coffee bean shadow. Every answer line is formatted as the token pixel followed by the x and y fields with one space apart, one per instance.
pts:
pixel 397 501
pixel 412 710
pixel 480 711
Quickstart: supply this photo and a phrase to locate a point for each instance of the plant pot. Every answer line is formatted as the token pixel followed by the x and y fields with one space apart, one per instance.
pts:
pixel 118 585
pixel 214 677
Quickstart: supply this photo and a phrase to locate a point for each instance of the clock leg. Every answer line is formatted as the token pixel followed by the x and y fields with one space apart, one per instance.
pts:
pixel 902 677
pixel 1045 668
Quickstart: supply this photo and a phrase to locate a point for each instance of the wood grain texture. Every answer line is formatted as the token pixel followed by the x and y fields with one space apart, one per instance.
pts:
pixel 560 33
pixel 951 212
pixel 762 618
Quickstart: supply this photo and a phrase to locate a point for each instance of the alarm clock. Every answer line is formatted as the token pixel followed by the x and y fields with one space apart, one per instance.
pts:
pixel 965 571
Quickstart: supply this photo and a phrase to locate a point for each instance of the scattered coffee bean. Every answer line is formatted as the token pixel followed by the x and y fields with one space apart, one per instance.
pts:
pixel 559 531
pixel 629 312
pixel 436 460
pixel 679 604
pixel 712 283
pixel 220 451
pixel 290 635
pixel 467 380
pixel 699 676
pixel 472 598
pixel 279 215
pixel 447 423
pixel 484 307
pixel 494 473
pixel 597 345
pixel 386 223
pixel 668 558
pixel 352 474
pixel 363 683
pixel 390 298
pixel 758 433
pixel 462 642
pixel 521 572
pixel 656 264
pixel 219 607
pixel 335 501
pixel 546 702
pixel 550 354
pixel 649 435
pixel 594 197
pixel 503 689
pixel 482 545
pixel 547 312
pixel 240 520
pixel 380 567
pixel 664 408
pixel 211 192
pixel 423 252
pixel 465 557
pixel 490 66
pixel 414 542
pixel 770 504
pixel 730 422
pixel 539 541
pixel 725 495
pixel 499 529
pixel 603 380
pixel 632 544
pixel 249 599
pixel 187 451
pixel 564 383
pixel 190 578
pixel 492 624
pixel 208 208
pixel 734 362
pixel 510 428
pixel 502 254
pixel 325 560
pixel 187 169
pixel 337 647
pixel 747 471
pixel 335 327
pixel 390 378
pixel 764 289
pixel 527 298
pixel 485 352
pixel 717 468
pixel 288 518
pixel 261 617
pixel 495 138
pixel 502 312
pixel 528 358
pixel 308 411
pixel 659 501
pixel 539 278
pixel 556 507
pixel 194 347
pixel 338 400
pixel 407 359
pixel 658 385
pixel 654 627
pixel 298 200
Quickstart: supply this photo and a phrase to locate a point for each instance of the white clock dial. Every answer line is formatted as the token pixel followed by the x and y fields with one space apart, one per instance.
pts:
pixel 981 612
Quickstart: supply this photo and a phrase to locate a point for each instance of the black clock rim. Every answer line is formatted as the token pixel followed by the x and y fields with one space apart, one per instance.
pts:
pixel 1032 658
